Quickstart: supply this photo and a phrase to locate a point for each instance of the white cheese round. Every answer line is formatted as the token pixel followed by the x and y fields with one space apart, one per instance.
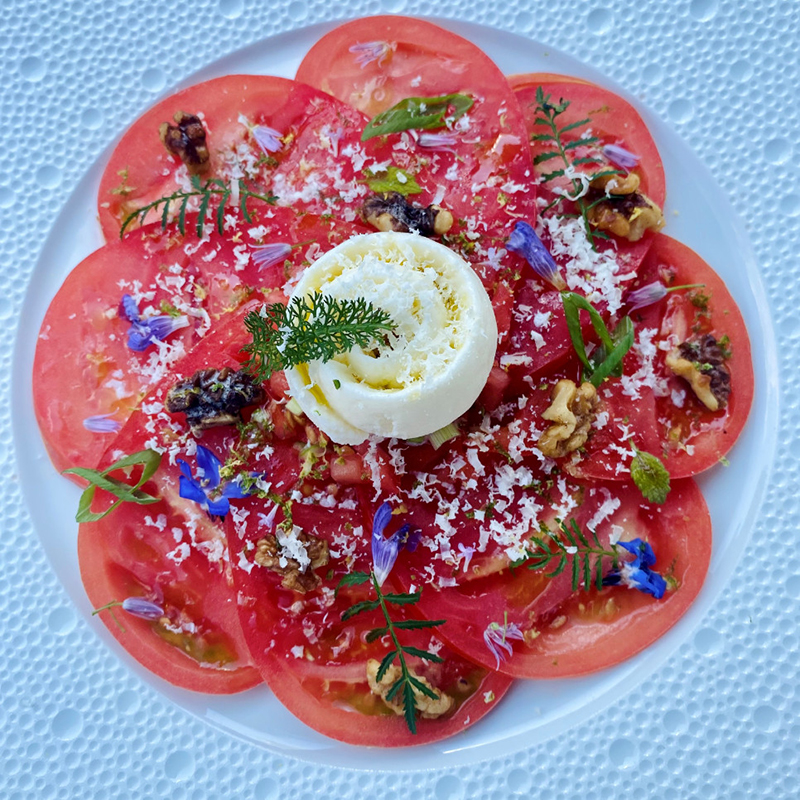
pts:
pixel 424 374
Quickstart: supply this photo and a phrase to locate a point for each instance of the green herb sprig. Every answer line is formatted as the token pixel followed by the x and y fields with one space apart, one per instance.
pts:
pixel 407 683
pixel 568 545
pixel 607 359
pixel 310 328
pixel 212 188
pixel 547 115
pixel 418 113
pixel 98 479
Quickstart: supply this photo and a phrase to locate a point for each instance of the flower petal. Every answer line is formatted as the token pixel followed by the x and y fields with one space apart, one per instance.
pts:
pixel 101 423
pixel 162 326
pixel 219 507
pixel 265 255
pixel 128 308
pixel 190 490
pixel 139 607
pixel 646 295
pixel 268 139
pixel 525 242
pixel 620 157
pixel 208 467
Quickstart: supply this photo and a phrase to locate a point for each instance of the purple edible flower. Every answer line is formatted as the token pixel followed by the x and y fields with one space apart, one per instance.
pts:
pixel 268 139
pixel 385 551
pixel 637 574
pixel 496 637
pixel 367 52
pixel 646 295
pixel 266 255
pixel 145 331
pixel 140 607
pixel 437 141
pixel 101 423
pixel 203 488
pixel 652 293
pixel 525 242
pixel 620 157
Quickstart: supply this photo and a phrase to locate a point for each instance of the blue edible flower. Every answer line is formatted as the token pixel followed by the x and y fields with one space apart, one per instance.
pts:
pixel 525 242
pixel 637 574
pixel 145 331
pixel 385 550
pixel 140 607
pixel 203 489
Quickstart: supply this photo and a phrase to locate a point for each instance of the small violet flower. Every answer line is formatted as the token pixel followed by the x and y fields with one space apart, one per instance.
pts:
pixel 525 242
pixel 496 637
pixel 203 489
pixel 146 331
pixel 140 607
pixel 101 423
pixel 385 550
pixel 620 157
pixel 637 574
pixel 268 139
pixel 267 255
pixel 466 554
pixel 437 141
pixel 367 52
pixel 652 293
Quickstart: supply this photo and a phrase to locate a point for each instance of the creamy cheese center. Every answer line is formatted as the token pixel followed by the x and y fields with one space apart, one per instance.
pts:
pixel 424 374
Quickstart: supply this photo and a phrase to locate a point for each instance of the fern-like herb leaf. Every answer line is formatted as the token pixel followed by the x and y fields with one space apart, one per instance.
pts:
pixel 316 327
pixel 569 545
pixel 212 189
pixel 405 687
pixel 547 114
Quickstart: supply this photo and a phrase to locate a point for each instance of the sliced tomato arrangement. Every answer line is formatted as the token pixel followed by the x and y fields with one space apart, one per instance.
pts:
pixel 520 542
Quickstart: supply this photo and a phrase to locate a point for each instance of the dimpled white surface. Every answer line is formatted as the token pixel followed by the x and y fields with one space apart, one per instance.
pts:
pixel 720 719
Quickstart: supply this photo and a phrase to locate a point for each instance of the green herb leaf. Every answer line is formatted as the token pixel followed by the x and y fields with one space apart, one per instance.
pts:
pixel 310 328
pixel 212 188
pixel 650 476
pixel 359 608
pixel 150 461
pixel 608 358
pixel 418 112
pixel 423 654
pixel 352 579
pixel 394 179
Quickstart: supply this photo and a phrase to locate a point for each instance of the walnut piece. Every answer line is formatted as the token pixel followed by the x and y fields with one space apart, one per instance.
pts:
pixel 428 707
pixel 392 212
pixel 572 412
pixel 617 184
pixel 701 363
pixel 187 140
pixel 627 216
pixel 213 397
pixel 274 553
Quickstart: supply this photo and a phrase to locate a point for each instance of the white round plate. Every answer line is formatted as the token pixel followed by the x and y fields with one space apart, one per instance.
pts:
pixel 698 214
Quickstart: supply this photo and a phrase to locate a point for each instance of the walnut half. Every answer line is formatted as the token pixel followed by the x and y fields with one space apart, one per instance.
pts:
pixel 701 363
pixel 392 212
pixel 428 707
pixel 187 140
pixel 294 556
pixel 626 215
pixel 571 412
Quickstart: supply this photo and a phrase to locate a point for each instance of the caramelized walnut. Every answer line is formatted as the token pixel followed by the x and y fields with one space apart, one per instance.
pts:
pixel 294 556
pixel 616 184
pixel 702 364
pixel 213 397
pixel 392 212
pixel 627 216
pixel 187 140
pixel 428 707
pixel 572 412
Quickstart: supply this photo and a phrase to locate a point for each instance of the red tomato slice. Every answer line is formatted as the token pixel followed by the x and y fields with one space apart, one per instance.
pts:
pixel 307 126
pixel 315 663
pixel 661 410
pixel 83 367
pixel 614 120
pixel 566 633
pixel 482 176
